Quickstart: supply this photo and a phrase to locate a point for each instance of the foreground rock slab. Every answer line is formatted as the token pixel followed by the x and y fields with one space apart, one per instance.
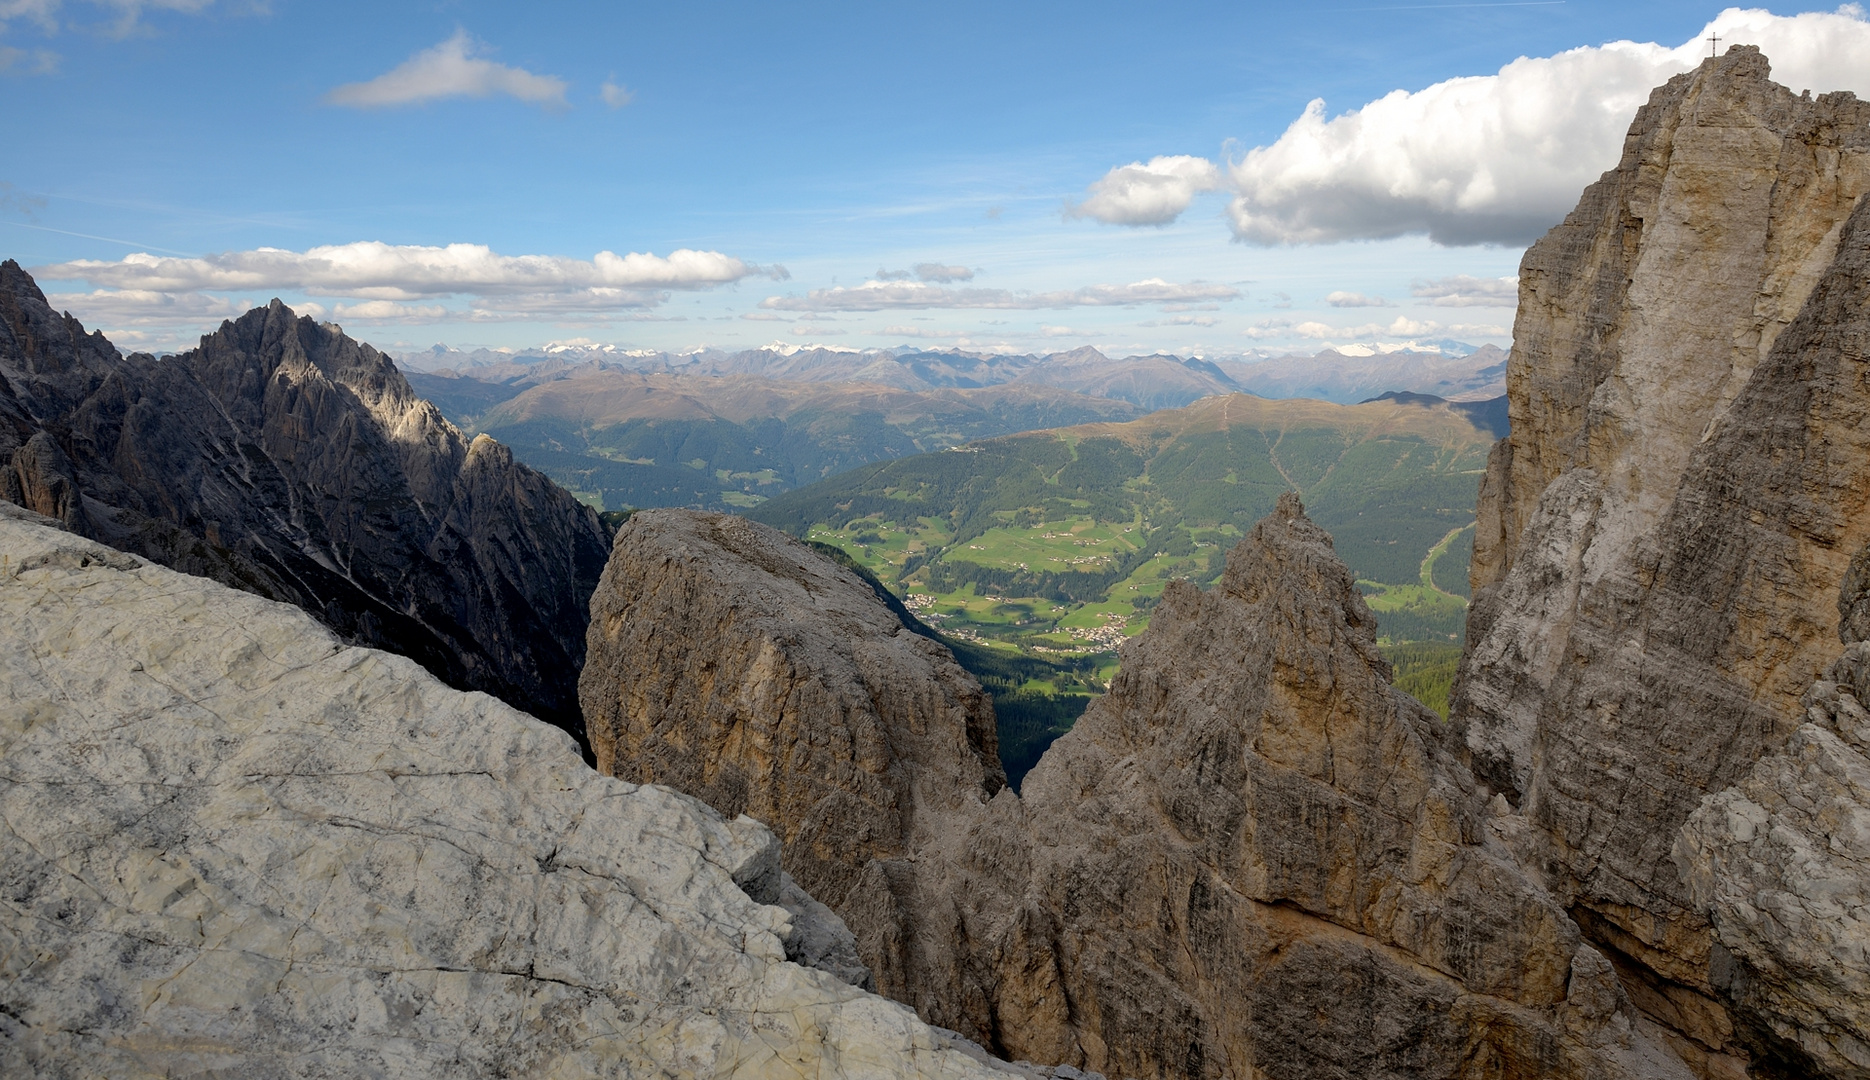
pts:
pixel 232 845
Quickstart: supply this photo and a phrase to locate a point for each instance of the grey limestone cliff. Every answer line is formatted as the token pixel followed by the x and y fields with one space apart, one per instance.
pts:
pixel 1663 535
pixel 284 458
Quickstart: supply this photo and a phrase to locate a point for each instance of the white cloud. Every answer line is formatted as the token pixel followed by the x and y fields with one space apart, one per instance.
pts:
pixel 943 274
pixel 145 307
pixel 380 312
pixel 377 271
pixel 45 13
pixel 1491 159
pixel 1341 299
pixel 1147 193
pixel 884 295
pixel 919 332
pixel 1184 320
pixel 1399 327
pixel 1501 158
pixel 27 61
pixel 615 96
pixel 450 69
pixel 1461 290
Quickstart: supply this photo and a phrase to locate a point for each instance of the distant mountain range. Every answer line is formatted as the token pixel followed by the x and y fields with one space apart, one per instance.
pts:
pixel 1345 376
pixel 727 430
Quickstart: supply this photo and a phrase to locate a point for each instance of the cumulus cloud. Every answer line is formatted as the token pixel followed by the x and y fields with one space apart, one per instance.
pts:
pixel 380 312
pixel 377 271
pixel 885 295
pixel 1464 291
pixel 1500 158
pixel 615 96
pixel 1492 159
pixel 1147 193
pixel 1352 299
pixel 451 69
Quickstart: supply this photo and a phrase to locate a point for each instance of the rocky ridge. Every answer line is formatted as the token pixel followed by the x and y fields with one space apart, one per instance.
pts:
pixel 232 844
pixel 284 458
pixel 1662 541
pixel 1252 857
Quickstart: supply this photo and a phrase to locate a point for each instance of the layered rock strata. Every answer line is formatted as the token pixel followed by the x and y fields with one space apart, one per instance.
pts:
pixel 1253 857
pixel 731 662
pixel 1781 864
pixel 284 458
pixel 1664 533
pixel 232 845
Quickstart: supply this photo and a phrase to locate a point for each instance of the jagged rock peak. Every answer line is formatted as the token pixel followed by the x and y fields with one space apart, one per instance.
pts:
pixel 1253 857
pixel 344 868
pixel 1663 535
pixel 284 458
pixel 734 663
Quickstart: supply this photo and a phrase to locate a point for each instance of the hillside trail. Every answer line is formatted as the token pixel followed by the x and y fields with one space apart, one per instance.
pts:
pixel 1427 571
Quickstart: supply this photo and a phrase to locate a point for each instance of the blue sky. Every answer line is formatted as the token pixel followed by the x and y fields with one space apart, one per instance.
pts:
pixel 799 150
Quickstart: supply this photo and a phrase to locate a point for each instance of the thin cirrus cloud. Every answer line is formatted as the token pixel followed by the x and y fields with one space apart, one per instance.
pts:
pixel 1493 159
pixel 935 272
pixel 50 16
pixel 893 295
pixel 1147 193
pixel 1342 299
pixel 1461 290
pixel 1400 327
pixel 449 70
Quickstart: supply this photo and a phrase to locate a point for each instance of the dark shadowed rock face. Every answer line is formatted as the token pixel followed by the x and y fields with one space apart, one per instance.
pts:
pixel 286 459
pixel 733 663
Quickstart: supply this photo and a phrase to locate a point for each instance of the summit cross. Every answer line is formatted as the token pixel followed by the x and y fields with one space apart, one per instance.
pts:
pixel 1714 44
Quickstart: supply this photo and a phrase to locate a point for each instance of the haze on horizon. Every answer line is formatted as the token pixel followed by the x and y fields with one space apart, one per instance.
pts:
pixel 1185 179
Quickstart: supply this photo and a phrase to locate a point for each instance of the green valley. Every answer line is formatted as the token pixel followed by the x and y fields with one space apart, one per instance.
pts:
pixel 1052 547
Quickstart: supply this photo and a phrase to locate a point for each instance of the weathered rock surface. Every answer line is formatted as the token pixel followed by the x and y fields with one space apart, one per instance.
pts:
pixel 1663 535
pixel 1252 858
pixel 232 845
pixel 1781 863
pixel 733 663
pixel 283 458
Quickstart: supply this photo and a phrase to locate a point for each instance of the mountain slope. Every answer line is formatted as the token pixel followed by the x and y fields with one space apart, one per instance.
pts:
pixel 284 458
pixel 654 439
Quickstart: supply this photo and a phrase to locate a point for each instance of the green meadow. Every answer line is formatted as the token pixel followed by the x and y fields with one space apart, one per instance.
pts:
pixel 1050 549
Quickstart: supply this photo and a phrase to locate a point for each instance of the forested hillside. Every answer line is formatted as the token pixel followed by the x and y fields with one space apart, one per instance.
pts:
pixel 1054 546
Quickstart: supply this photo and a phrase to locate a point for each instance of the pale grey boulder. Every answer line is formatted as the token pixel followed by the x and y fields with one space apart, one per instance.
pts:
pixel 232 845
